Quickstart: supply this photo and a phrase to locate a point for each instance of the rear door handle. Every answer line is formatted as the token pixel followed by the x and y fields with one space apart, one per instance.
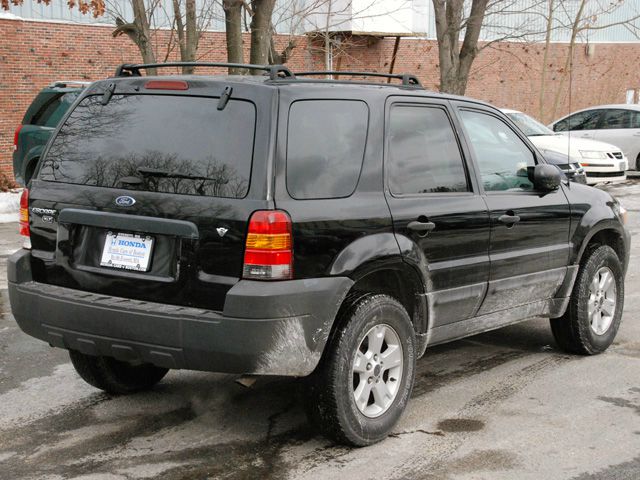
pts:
pixel 509 220
pixel 421 227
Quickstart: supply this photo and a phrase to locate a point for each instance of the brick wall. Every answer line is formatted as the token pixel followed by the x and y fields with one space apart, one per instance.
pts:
pixel 33 54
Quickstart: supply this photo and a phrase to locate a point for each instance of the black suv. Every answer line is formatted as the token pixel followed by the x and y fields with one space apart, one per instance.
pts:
pixel 285 225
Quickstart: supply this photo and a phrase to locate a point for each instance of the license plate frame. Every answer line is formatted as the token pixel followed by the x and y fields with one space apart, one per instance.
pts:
pixel 127 251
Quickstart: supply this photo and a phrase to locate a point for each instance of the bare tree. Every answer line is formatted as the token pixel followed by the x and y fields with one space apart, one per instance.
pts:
pixel 263 48
pixel 456 61
pixel 545 57
pixel 138 31
pixel 575 21
pixel 497 20
pixel 187 31
pixel 186 23
pixel 233 27
pixel 261 31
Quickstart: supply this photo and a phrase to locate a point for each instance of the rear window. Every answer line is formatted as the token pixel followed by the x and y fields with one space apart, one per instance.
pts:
pixel 53 108
pixel 325 147
pixel 161 143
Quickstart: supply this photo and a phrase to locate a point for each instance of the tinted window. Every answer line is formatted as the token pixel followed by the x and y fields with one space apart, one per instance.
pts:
pixel 502 156
pixel 325 147
pixel 579 121
pixel 618 118
pixel 173 144
pixel 53 109
pixel 424 156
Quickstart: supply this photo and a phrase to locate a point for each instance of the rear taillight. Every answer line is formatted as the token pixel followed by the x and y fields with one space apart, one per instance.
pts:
pixel 24 218
pixel 16 135
pixel 268 253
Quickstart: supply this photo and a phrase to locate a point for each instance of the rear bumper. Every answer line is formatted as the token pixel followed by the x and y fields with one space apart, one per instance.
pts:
pixel 277 328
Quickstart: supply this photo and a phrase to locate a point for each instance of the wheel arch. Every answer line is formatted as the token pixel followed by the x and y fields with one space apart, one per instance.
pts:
pixel 605 233
pixel 376 265
pixel 393 277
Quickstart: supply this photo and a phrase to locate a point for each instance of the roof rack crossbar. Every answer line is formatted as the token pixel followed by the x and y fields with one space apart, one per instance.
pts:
pixel 407 79
pixel 275 71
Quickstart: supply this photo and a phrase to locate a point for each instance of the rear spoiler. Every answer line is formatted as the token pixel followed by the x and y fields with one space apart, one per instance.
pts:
pixel 68 83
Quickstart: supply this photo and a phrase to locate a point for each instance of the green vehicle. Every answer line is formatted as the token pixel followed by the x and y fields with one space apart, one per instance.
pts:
pixel 39 122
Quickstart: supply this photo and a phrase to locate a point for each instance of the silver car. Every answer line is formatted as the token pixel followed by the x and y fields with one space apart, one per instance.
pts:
pixel 615 124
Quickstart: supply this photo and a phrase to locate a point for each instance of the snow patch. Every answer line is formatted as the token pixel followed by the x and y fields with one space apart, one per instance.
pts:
pixel 9 16
pixel 9 206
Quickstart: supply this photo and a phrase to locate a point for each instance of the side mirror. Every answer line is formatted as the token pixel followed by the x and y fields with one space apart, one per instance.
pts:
pixel 546 177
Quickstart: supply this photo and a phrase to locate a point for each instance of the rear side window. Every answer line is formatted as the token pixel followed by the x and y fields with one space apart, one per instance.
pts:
pixel 423 155
pixel 168 144
pixel 325 147
pixel 53 109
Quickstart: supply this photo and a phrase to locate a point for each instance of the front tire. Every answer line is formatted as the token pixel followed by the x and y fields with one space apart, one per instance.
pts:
pixel 364 382
pixel 593 316
pixel 114 376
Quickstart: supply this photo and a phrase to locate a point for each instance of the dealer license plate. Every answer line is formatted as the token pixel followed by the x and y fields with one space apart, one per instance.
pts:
pixel 127 251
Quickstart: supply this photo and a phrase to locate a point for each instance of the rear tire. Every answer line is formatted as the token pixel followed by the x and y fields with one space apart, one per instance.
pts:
pixel 114 376
pixel 353 397
pixel 638 163
pixel 593 316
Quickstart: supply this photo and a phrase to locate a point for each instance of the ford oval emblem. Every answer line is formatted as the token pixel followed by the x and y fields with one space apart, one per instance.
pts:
pixel 125 201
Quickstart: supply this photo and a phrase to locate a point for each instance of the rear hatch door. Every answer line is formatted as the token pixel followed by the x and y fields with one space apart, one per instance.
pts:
pixel 147 194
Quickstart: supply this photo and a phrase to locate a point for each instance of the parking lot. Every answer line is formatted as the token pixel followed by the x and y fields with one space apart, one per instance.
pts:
pixel 502 405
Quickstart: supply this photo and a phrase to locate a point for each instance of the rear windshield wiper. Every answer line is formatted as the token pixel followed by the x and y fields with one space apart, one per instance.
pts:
pixel 155 172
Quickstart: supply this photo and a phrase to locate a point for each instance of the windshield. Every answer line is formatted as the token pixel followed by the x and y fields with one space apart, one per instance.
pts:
pixel 198 149
pixel 529 126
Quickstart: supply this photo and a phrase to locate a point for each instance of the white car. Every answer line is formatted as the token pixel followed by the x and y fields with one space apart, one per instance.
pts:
pixel 602 162
pixel 615 124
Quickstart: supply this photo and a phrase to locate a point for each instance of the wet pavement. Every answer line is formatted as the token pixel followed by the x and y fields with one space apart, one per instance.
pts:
pixel 502 405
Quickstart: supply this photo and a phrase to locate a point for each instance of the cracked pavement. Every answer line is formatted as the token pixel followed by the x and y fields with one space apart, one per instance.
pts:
pixel 502 405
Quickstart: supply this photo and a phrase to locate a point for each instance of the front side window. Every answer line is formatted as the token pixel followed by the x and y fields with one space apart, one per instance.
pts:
pixel 423 154
pixel 501 155
pixel 579 121
pixel 325 147
pixel 169 144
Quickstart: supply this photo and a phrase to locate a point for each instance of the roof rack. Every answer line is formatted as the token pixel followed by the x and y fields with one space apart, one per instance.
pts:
pixel 407 79
pixel 66 83
pixel 275 71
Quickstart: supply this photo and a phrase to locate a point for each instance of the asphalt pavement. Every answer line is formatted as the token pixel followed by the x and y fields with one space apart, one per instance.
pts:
pixel 502 405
